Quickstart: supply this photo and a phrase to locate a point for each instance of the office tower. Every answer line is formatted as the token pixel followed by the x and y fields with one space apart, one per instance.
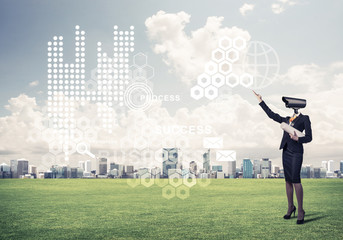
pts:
pixel 129 169
pixel 303 172
pixel 310 173
pixel 170 160
pixel 330 166
pixel 220 175
pixel 73 172
pixel 23 167
pixel 82 165
pixel 270 166
pixel 88 166
pixel 156 172
pixel 323 172
pixel 316 172
pixel 276 170
pixel 231 169
pixel 247 168
pixel 206 161
pixel 341 166
pixel 112 166
pixel 217 168
pixel 102 166
pixel 14 168
pixel 79 172
pixel 325 164
pixel 265 171
pixel 33 170
pixel 257 168
pixel 193 168
pixel 5 171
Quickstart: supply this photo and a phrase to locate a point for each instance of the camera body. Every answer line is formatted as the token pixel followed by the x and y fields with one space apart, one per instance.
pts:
pixel 295 103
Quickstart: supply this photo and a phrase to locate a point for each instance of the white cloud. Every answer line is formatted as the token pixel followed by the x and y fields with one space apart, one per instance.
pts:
pixel 246 8
pixel 281 5
pixel 34 83
pixel 187 54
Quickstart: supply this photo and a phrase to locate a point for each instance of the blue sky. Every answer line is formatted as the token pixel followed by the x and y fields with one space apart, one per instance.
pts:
pixel 308 32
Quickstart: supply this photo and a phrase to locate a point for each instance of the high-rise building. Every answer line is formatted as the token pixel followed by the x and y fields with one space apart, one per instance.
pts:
pixel 247 168
pixel 82 165
pixel 5 171
pixel 330 166
pixel 102 166
pixel 303 172
pixel 316 172
pixel 33 170
pixel 170 160
pixel 206 161
pixel 14 168
pixel 323 172
pixel 265 170
pixel 193 168
pixel 325 164
pixel 156 172
pixel 129 169
pixel 88 166
pixel 341 166
pixel 73 172
pixel 231 169
pixel 257 168
pixel 23 167
pixel 217 168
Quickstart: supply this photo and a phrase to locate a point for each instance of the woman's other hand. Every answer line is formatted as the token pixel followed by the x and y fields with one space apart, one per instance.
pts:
pixel 294 137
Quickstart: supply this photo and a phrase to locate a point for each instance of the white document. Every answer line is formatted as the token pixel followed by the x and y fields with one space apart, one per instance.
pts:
pixel 213 142
pixel 291 129
pixel 225 155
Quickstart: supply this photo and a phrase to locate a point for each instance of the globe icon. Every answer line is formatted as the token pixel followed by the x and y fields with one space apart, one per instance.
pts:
pixel 262 61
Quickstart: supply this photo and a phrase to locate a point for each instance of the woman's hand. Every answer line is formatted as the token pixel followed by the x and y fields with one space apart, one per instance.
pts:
pixel 294 137
pixel 258 96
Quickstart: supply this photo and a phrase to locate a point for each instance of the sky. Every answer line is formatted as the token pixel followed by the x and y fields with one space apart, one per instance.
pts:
pixel 177 38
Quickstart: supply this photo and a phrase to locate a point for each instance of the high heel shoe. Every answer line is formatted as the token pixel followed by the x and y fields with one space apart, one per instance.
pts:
pixel 289 216
pixel 301 221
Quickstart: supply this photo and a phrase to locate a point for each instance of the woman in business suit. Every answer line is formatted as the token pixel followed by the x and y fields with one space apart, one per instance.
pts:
pixel 292 156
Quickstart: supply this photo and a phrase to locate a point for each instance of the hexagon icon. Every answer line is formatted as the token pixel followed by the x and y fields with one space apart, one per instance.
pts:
pixel 182 192
pixel 246 80
pixel 190 181
pixel 211 68
pixel 149 71
pixel 232 80
pixel 225 43
pixel 175 179
pixel 133 182
pixel 204 182
pixel 139 73
pixel 218 80
pixel 146 180
pixel 239 43
pixel 232 55
pixel 161 182
pixel 140 59
pixel 225 67
pixel 218 55
pixel 168 192
pixel 83 123
pixel 211 92
pixel 197 92
pixel 204 80
pixel 55 147
pixel 69 147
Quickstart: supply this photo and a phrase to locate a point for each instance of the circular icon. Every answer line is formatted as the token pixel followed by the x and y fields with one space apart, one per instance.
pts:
pixel 138 96
pixel 262 61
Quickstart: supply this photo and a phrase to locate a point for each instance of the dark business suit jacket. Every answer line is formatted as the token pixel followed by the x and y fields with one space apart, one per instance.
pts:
pixel 302 122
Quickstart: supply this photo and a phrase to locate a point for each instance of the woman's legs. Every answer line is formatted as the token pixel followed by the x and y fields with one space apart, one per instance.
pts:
pixel 300 195
pixel 289 192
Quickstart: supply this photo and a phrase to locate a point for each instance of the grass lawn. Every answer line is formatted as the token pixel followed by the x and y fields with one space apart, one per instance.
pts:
pixel 110 209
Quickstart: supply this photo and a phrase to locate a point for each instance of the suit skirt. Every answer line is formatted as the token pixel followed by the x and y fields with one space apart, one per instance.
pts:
pixel 291 162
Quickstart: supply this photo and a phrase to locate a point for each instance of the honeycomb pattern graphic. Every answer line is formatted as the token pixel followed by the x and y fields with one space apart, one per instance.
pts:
pixel 177 185
pixel 218 71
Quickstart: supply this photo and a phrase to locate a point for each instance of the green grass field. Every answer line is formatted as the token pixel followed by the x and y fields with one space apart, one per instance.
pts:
pixel 110 209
